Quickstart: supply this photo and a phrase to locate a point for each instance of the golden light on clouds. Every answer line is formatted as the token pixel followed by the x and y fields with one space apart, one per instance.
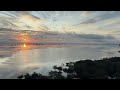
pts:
pixel 29 20
pixel 24 37
pixel 78 22
pixel 26 22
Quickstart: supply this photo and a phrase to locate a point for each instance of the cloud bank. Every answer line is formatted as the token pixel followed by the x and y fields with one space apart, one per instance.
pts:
pixel 60 26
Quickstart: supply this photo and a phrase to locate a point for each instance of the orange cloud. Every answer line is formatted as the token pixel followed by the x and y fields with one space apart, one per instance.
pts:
pixel 30 22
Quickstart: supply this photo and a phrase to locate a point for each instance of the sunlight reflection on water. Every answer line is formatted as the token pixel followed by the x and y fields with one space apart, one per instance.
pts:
pixel 28 58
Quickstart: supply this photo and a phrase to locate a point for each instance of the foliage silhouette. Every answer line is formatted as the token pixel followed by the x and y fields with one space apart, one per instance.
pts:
pixel 106 68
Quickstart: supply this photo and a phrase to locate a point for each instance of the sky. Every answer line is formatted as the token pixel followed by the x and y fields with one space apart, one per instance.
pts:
pixel 60 26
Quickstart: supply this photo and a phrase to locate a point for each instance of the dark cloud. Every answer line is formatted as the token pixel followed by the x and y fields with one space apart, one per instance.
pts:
pixel 93 36
pixel 90 21
pixel 9 24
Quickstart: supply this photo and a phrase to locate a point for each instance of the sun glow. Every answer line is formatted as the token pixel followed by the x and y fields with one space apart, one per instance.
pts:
pixel 24 45
pixel 24 38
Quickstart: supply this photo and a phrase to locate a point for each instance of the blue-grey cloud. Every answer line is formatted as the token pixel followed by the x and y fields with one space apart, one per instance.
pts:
pixel 94 36
pixel 95 25
pixel 90 21
pixel 13 36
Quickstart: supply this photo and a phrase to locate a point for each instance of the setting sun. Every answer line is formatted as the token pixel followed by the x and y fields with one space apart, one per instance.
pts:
pixel 24 45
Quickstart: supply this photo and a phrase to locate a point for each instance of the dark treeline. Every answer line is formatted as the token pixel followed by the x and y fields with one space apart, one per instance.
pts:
pixel 106 68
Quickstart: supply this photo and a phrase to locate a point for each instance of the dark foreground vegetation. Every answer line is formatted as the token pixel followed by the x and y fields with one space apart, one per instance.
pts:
pixel 106 68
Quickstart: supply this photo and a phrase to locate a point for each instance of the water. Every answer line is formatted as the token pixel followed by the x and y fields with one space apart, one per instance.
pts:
pixel 16 60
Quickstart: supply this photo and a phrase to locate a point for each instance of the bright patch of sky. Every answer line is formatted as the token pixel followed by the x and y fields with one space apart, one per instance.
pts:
pixel 79 22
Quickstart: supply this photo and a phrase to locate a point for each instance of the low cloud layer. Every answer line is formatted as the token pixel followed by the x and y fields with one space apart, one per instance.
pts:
pixel 15 36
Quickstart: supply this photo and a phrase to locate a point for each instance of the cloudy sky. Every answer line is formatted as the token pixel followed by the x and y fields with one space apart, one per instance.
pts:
pixel 60 26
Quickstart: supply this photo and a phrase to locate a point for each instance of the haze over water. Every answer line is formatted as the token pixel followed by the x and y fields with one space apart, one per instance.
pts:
pixel 27 59
pixel 37 40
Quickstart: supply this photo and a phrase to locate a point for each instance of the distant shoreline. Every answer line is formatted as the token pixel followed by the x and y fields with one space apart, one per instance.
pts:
pixel 11 44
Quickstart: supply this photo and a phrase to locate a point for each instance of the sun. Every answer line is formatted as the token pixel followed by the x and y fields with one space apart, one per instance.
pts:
pixel 24 45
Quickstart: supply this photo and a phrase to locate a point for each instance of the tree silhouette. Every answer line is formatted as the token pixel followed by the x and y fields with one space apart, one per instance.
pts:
pixel 106 68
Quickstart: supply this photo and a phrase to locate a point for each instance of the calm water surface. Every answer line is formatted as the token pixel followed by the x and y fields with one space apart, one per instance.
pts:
pixel 21 59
